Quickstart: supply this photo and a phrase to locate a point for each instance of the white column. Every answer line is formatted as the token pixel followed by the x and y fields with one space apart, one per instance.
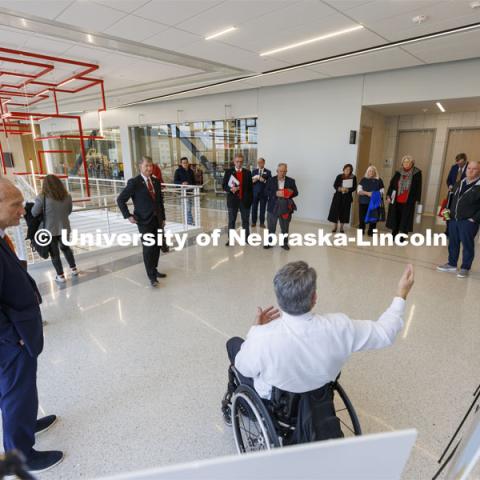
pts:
pixel 126 152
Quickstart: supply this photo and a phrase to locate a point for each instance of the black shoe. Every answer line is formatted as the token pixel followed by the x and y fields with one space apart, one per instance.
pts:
pixel 262 225
pixel 154 283
pixel 161 275
pixel 286 247
pixel 254 224
pixel 165 248
pixel 370 234
pixel 227 244
pixel 43 461
pixel 266 247
pixel 43 424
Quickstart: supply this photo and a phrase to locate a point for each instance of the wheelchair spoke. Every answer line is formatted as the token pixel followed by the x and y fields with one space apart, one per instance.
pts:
pixel 341 421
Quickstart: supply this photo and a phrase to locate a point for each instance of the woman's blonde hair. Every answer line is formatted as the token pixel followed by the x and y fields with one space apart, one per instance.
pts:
pixel 407 157
pixel 374 168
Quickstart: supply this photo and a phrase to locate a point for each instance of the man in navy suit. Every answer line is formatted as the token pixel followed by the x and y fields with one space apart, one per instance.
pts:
pixel 458 171
pixel 260 178
pixel 280 205
pixel 148 213
pixel 21 342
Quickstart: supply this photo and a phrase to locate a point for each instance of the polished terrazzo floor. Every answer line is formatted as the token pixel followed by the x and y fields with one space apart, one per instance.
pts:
pixel 136 374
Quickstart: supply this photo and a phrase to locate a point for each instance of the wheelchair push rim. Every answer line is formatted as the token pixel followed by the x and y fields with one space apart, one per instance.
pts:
pixel 253 428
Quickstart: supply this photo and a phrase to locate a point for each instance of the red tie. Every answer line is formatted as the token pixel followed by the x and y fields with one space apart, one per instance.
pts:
pixel 151 190
pixel 9 243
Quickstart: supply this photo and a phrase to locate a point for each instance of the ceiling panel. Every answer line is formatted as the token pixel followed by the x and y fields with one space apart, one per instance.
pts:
pixel 45 9
pixel 229 55
pixel 372 62
pixel 90 16
pixel 13 38
pixel 127 6
pixel 173 39
pixel 231 12
pixel 453 47
pixel 135 28
pixel 172 12
pixel 440 16
pixel 343 5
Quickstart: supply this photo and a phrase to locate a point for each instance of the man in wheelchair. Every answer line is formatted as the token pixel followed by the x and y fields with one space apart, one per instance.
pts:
pixel 292 358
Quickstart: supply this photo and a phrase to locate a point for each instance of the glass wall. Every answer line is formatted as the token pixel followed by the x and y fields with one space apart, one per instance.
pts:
pixel 209 145
pixel 104 155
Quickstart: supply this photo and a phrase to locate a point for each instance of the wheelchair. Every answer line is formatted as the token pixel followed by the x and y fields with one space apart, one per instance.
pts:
pixel 260 424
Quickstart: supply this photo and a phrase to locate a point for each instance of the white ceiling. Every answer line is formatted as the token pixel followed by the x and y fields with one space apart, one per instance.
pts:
pixel 169 36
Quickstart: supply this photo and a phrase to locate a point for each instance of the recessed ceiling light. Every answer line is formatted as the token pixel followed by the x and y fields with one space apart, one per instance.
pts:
pixel 440 107
pixel 475 4
pixel 223 32
pixel 313 40
pixel 89 38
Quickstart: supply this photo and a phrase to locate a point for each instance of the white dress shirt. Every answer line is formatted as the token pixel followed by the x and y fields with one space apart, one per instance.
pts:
pixel 302 353
pixel 281 184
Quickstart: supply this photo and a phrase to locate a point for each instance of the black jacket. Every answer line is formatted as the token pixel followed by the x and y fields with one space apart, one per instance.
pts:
pixel 144 208
pixel 20 316
pixel 271 192
pixel 415 195
pixel 467 205
pixel 182 175
pixel 232 198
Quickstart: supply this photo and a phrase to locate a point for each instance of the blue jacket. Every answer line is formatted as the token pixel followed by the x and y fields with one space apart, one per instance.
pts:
pixel 452 175
pixel 271 191
pixel 259 188
pixel 372 215
pixel 20 316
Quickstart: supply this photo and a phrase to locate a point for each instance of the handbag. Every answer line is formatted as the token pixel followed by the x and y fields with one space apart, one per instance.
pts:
pixel 34 224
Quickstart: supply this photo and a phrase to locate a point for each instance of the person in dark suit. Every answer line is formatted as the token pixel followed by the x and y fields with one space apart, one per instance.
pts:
pixel 260 178
pixel 458 171
pixel 404 192
pixel 237 182
pixel 21 342
pixel 148 213
pixel 184 175
pixel 280 205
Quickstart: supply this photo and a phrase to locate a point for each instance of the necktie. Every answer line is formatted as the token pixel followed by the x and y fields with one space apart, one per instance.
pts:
pixel 9 243
pixel 459 175
pixel 151 190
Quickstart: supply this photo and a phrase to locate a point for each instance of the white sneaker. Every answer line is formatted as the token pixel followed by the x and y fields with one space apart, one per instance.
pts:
pixel 60 279
pixel 74 272
pixel 462 273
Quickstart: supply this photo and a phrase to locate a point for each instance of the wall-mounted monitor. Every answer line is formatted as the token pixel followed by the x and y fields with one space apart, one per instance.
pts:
pixel 8 158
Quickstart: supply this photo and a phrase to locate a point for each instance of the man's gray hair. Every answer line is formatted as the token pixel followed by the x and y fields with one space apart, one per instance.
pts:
pixel 295 284
pixel 283 164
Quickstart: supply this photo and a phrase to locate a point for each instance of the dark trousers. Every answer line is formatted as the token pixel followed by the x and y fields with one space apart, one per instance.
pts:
pixel 461 232
pixel 18 397
pixel 259 199
pixel 272 220
pixel 244 213
pixel 233 347
pixel 55 246
pixel 151 254
pixel 401 210
pixel 363 209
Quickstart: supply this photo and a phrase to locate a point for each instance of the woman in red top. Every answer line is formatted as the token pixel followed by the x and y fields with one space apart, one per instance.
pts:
pixel 404 191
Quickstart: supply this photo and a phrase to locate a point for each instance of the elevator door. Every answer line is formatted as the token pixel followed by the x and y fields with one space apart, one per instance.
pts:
pixel 418 144
pixel 466 140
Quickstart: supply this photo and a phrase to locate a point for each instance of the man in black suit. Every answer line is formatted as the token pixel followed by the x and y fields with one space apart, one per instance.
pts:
pixel 458 171
pixel 237 182
pixel 148 213
pixel 260 178
pixel 280 205
pixel 21 342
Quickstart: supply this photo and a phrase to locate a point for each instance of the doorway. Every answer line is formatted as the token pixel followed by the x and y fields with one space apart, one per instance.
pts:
pixel 418 144
pixel 459 140
pixel 363 161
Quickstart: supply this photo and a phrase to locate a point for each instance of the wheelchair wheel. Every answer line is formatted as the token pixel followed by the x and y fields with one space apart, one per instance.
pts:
pixel 253 428
pixel 345 412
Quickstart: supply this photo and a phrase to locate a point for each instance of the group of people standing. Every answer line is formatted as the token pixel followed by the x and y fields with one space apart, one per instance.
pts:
pixel 404 191
pixel 259 189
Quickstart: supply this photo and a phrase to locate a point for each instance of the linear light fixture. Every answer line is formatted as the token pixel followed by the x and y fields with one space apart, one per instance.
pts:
pixel 313 40
pixel 223 32
pixel 342 56
pixel 440 107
